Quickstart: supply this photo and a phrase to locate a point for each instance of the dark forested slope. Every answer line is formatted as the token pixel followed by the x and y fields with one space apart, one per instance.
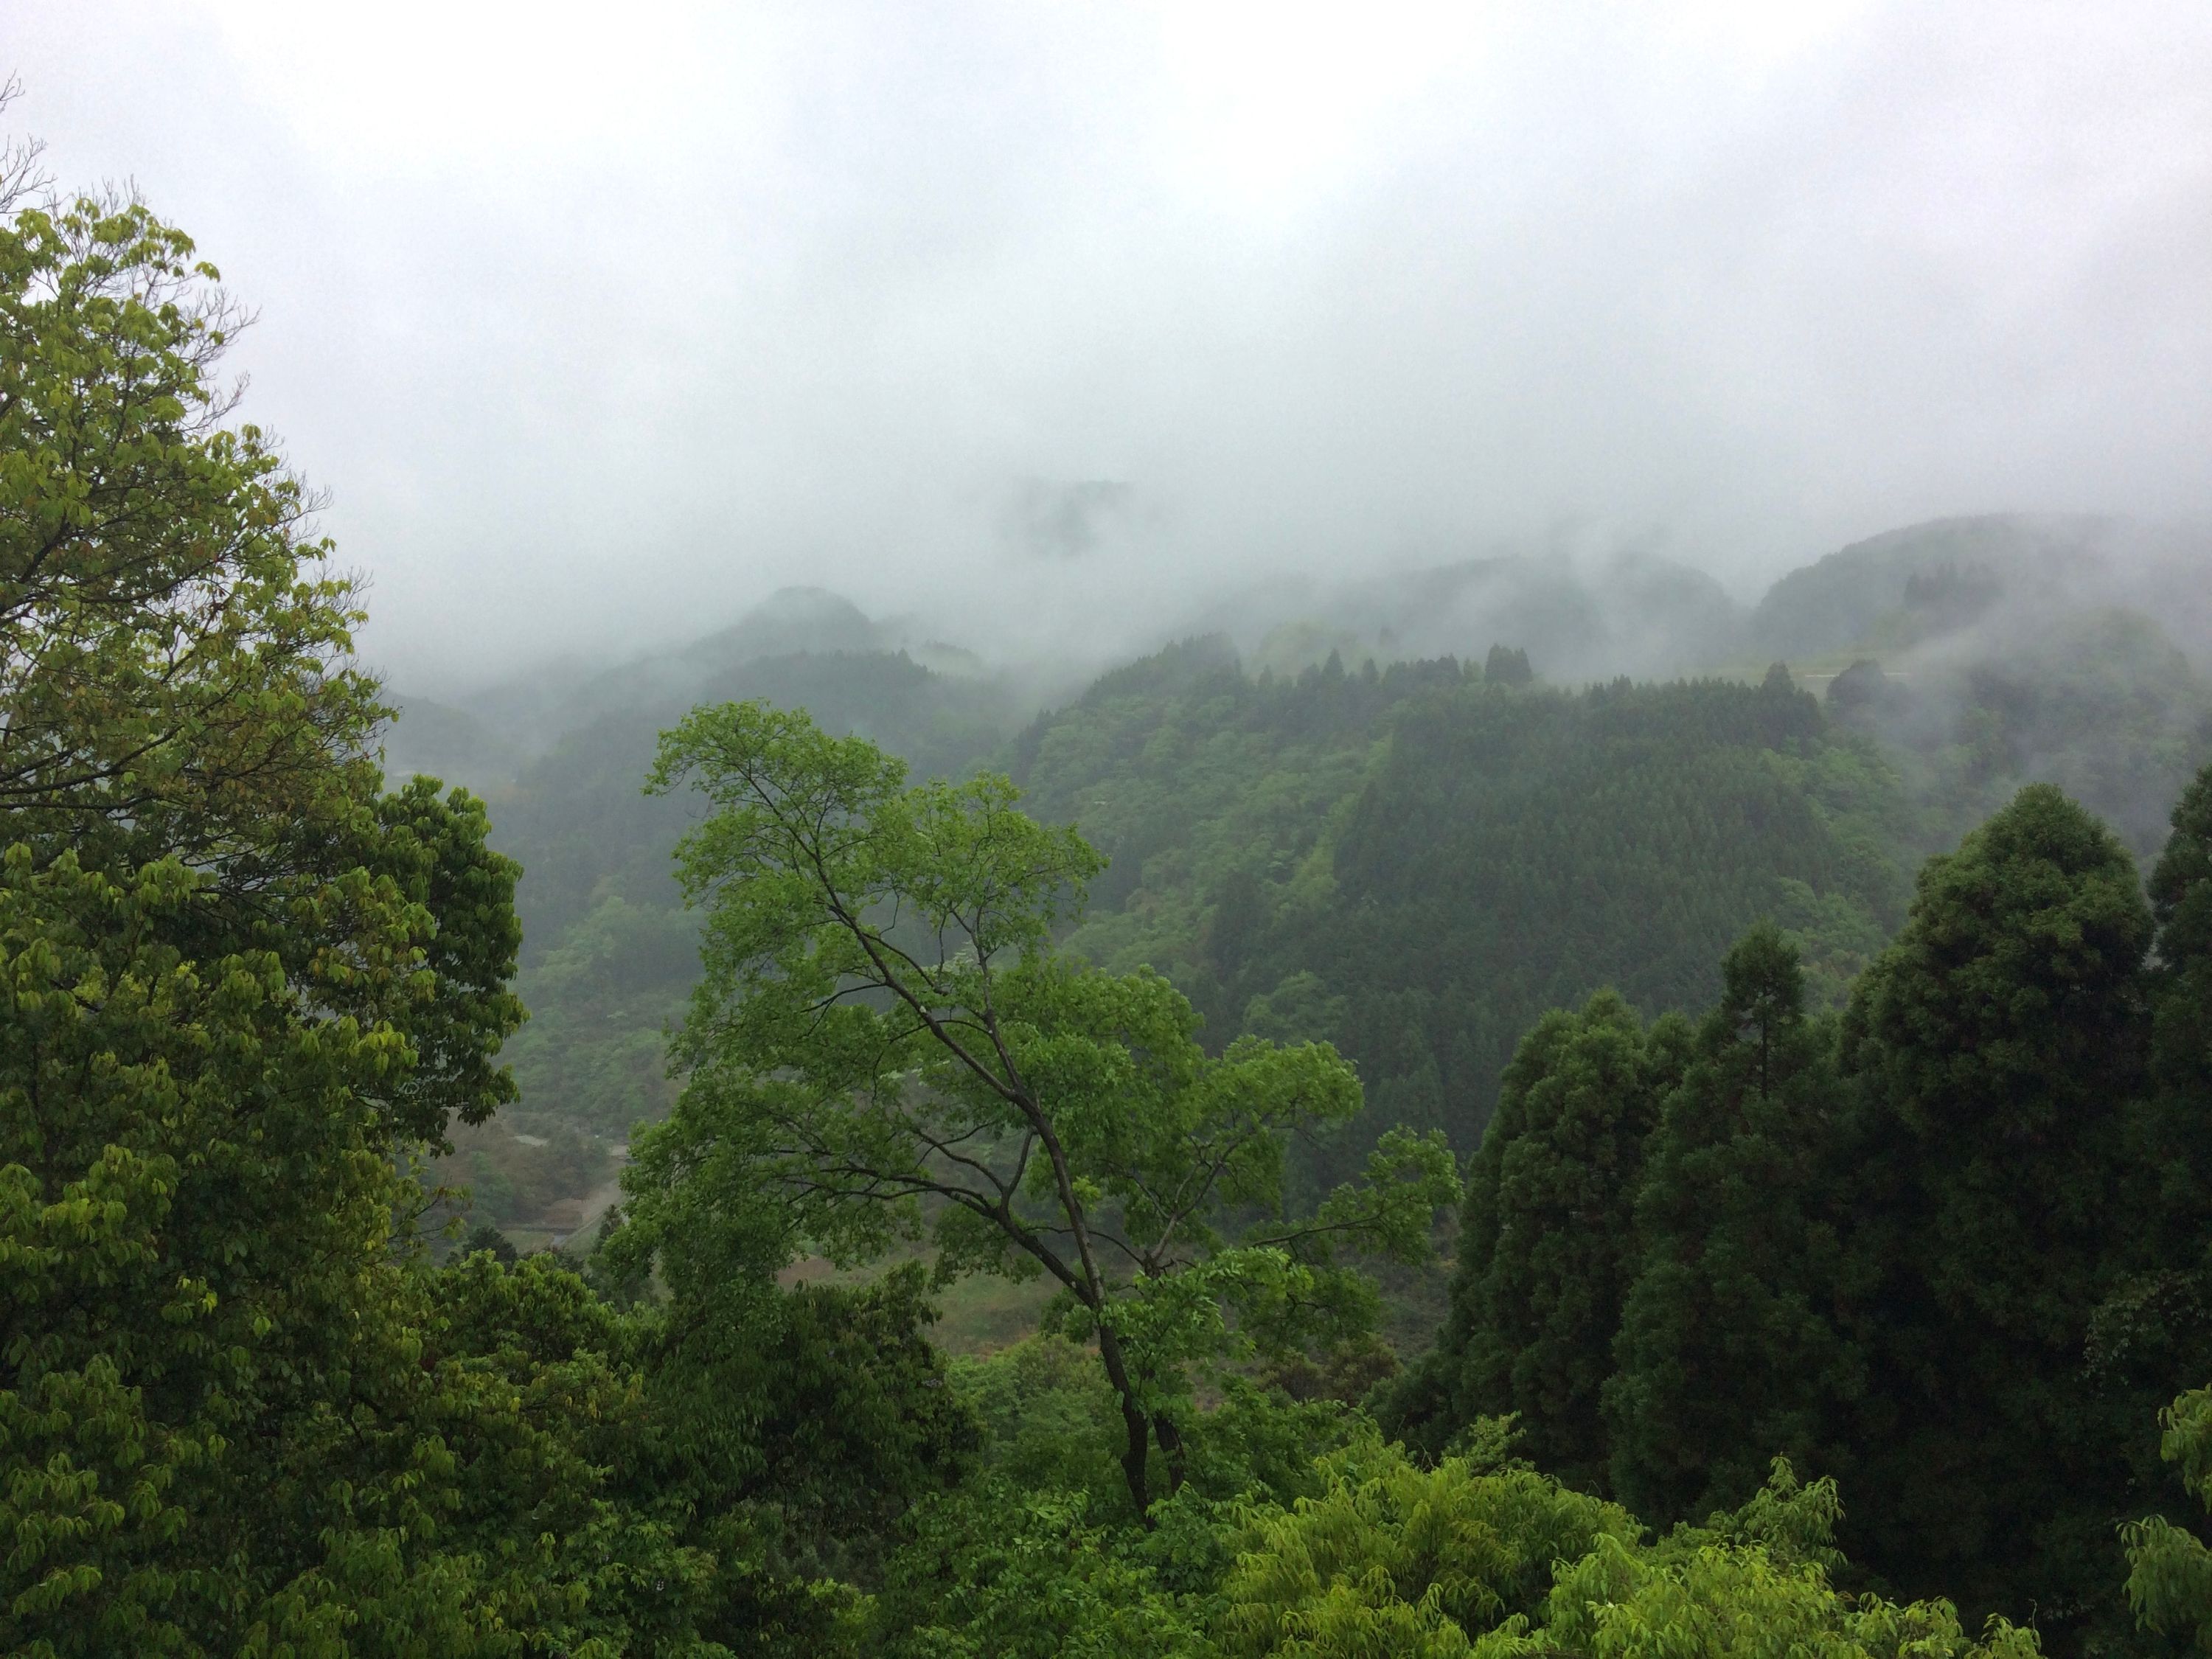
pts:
pixel 1414 862
pixel 1948 1248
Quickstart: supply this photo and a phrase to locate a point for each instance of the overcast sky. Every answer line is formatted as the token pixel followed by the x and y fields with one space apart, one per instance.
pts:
pixel 601 322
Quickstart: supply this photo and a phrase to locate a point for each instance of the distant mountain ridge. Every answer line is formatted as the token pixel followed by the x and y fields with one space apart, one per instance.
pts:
pixel 1892 590
pixel 1581 620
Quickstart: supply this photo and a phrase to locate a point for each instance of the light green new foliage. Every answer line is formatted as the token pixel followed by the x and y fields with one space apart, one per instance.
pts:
pixel 1753 1584
pixel 1467 1561
pixel 172 651
pixel 1393 1559
pixel 884 1042
pixel 1730 1601
pixel 2170 1570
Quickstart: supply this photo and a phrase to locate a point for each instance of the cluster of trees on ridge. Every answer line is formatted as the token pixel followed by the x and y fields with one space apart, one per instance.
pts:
pixel 246 989
pixel 1415 863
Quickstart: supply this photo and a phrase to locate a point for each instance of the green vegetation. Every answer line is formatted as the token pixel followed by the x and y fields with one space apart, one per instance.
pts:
pixel 242 990
pixel 1919 1249
pixel 1924 1217
pixel 882 1026
pixel 1415 864
pixel 1411 861
pixel 611 954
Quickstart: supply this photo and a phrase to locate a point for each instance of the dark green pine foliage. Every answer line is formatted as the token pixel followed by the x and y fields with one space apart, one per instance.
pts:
pixel 2181 1041
pixel 1546 1245
pixel 1513 852
pixel 1728 1355
pixel 1993 1049
pixel 2153 1336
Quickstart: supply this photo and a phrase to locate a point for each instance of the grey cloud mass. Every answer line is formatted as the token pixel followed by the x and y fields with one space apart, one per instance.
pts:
pixel 601 323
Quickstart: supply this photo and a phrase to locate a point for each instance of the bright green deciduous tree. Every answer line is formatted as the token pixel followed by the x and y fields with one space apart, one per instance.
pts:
pixel 1728 1354
pixel 884 1035
pixel 2170 1570
pixel 1547 1245
pixel 240 986
pixel 1391 1558
pixel 173 647
pixel 1465 1561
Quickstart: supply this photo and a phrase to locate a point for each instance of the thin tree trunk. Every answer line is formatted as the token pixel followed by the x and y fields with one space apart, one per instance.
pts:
pixel 1137 1452
pixel 1170 1439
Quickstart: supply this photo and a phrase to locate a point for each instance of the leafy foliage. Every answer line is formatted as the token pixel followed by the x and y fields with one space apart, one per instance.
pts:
pixel 1392 1558
pixel 612 953
pixel 1546 1244
pixel 167 648
pixel 883 1034
pixel 243 991
pixel 1416 863
pixel 2170 1569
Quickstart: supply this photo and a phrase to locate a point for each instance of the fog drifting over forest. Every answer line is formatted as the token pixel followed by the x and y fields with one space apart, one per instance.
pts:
pixel 600 323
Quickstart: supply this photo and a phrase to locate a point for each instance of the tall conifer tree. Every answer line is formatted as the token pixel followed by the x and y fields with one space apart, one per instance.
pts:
pixel 1994 1049
pixel 1546 1244
pixel 1726 1355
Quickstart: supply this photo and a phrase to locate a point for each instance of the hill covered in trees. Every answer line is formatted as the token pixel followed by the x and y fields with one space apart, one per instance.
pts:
pixel 1411 856
pixel 1414 862
pixel 1939 1255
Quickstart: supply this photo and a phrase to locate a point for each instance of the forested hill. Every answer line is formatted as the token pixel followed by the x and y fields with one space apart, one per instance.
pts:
pixel 1946 1251
pixel 1414 862
pixel 1413 859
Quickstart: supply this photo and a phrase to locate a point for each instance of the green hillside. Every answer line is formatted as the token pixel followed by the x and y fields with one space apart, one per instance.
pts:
pixel 1414 862
pixel 1411 860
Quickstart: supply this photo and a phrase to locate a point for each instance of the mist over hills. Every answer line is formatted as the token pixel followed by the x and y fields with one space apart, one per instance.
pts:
pixel 1256 780
pixel 1924 599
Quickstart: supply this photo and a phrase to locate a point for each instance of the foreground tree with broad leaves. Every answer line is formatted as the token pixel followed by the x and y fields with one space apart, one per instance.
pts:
pixel 244 990
pixel 885 1043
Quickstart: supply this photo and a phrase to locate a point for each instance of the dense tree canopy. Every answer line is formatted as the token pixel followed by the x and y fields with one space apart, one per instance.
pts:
pixel 1993 1050
pixel 171 648
pixel 243 992
pixel 1728 1353
pixel 1950 1249
pixel 239 985
pixel 1547 1243
pixel 1946 1251
pixel 884 1033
